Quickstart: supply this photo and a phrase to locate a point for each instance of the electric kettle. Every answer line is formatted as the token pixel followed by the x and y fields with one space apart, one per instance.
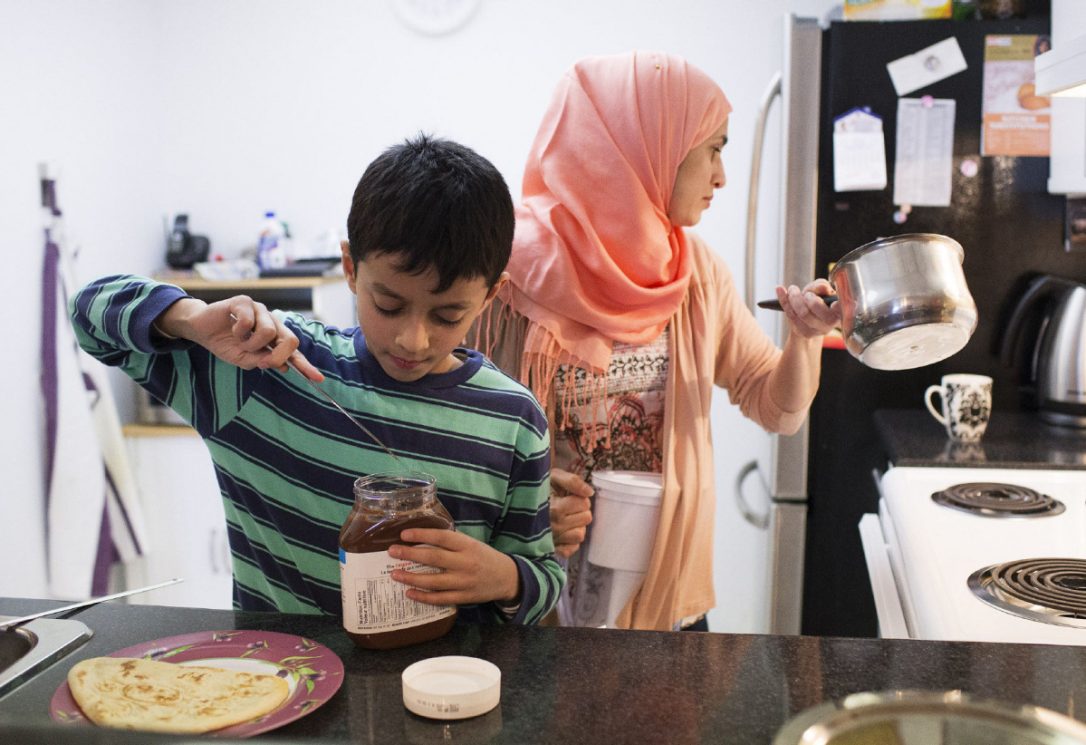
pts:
pixel 1046 339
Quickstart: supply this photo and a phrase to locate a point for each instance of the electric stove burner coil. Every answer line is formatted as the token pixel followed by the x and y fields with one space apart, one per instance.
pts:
pixel 998 500
pixel 1047 590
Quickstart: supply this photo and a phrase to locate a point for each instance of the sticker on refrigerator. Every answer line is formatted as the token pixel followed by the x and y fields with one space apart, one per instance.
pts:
pixel 1016 121
pixel 859 151
pixel 923 167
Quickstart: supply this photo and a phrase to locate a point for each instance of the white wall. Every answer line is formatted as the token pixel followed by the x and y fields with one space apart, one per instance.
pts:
pixel 226 108
pixel 80 88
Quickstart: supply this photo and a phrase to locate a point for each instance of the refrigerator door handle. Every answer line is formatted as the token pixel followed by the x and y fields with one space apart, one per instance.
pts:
pixel 760 521
pixel 772 92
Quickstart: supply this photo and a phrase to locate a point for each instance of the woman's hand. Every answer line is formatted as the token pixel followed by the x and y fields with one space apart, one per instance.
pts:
pixel 807 312
pixel 471 571
pixel 571 511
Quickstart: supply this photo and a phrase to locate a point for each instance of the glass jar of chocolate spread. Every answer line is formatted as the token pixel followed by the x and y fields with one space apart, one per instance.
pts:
pixel 377 614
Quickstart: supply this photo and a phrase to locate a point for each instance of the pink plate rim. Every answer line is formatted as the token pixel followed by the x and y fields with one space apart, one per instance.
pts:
pixel 315 670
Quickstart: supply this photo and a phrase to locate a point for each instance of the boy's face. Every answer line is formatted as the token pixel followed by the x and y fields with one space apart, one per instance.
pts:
pixel 410 329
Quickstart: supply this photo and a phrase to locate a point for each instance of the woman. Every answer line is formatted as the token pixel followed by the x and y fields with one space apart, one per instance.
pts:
pixel 621 321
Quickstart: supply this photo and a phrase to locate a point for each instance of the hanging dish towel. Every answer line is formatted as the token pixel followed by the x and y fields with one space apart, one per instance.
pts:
pixel 93 516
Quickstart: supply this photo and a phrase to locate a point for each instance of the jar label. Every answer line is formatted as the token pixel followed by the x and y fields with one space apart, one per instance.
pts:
pixel 373 602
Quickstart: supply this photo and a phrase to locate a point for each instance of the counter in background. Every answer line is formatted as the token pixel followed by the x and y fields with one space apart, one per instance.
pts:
pixel 325 298
pixel 1014 439
pixel 594 685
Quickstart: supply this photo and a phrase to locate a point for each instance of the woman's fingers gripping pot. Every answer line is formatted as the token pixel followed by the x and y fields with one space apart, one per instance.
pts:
pixel 806 308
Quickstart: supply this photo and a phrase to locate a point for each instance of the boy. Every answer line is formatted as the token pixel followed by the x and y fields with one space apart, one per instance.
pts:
pixel 429 234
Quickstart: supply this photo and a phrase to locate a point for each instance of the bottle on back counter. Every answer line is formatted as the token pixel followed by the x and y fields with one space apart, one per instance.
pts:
pixel 270 249
pixel 377 614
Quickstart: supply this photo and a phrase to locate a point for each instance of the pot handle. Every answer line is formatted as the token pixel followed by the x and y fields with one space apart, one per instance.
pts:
pixel 775 304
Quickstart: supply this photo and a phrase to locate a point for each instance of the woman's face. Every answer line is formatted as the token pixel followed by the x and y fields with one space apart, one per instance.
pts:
pixel 700 174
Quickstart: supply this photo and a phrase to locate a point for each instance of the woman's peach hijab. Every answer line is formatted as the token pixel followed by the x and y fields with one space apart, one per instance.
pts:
pixel 595 258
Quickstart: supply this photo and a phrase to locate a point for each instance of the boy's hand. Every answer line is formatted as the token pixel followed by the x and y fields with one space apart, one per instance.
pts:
pixel 571 511
pixel 237 330
pixel 472 572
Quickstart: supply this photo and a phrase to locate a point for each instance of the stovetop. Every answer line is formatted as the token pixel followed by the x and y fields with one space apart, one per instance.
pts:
pixel 936 547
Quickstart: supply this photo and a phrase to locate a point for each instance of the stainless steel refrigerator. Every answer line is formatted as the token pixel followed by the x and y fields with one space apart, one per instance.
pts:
pixel 820 481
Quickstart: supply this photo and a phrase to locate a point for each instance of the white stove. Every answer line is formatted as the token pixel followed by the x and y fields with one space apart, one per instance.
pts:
pixel 980 554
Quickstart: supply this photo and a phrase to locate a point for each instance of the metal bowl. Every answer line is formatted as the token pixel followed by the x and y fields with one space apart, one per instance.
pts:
pixel 928 718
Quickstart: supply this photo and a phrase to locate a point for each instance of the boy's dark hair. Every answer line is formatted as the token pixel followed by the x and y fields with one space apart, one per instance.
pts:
pixel 436 204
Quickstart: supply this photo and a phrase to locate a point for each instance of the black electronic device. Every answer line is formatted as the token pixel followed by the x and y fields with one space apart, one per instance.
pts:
pixel 183 249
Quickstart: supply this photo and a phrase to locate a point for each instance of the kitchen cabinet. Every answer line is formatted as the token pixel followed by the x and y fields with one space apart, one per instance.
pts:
pixel 186 525
pixel 1067 164
pixel 1067 174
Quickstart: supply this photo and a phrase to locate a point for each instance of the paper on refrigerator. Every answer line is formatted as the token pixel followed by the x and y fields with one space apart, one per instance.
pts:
pixel 924 152
pixel 1016 120
pixel 859 151
pixel 926 66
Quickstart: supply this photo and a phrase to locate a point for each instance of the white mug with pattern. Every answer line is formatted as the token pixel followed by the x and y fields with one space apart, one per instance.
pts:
pixel 966 405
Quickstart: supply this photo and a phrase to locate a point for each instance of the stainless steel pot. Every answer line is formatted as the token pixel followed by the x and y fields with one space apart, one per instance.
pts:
pixel 904 301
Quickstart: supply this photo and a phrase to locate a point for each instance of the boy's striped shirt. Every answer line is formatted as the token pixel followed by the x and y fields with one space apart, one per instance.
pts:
pixel 286 460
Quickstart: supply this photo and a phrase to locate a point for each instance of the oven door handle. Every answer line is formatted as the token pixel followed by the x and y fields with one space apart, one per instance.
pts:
pixel 891 615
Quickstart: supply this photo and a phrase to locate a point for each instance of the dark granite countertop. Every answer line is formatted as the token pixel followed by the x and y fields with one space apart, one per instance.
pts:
pixel 582 685
pixel 1014 439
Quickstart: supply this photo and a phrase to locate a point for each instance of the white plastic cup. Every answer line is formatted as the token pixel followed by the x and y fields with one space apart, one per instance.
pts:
pixel 625 516
pixel 623 585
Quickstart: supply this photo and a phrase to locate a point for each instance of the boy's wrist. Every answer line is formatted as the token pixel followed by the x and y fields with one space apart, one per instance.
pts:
pixel 512 600
pixel 172 323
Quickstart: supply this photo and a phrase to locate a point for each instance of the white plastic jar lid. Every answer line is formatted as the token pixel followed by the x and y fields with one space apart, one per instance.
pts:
pixel 637 487
pixel 452 687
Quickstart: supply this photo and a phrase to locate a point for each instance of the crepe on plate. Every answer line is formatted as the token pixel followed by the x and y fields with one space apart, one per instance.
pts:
pixel 142 694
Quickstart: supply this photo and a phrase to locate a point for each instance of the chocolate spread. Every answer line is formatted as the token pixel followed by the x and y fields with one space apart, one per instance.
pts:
pixel 377 614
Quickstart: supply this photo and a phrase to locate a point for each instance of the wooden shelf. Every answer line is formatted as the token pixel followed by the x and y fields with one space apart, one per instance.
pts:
pixel 158 430
pixel 188 281
pixel 326 297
